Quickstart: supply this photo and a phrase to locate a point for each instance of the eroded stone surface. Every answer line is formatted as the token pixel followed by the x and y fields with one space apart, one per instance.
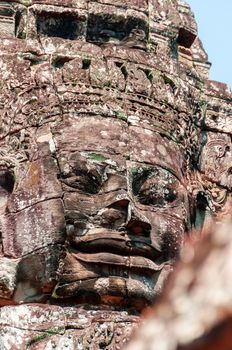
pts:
pixel 113 146
pixel 195 310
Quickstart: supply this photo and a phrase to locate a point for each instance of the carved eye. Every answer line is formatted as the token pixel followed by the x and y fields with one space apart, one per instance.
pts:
pixel 156 192
pixel 85 173
pixel 84 181
pixel 155 187
pixel 89 182
pixel 7 180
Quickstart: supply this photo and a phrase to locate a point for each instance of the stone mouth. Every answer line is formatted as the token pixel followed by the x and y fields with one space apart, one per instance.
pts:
pixel 109 271
pixel 125 262
pixel 109 268
pixel 121 247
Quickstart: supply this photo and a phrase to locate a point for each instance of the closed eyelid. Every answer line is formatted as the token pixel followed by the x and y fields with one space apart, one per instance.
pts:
pixel 155 186
pixel 152 172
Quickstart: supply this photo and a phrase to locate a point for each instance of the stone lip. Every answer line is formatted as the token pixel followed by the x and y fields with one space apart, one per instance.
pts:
pixel 110 279
pixel 118 244
pixel 131 261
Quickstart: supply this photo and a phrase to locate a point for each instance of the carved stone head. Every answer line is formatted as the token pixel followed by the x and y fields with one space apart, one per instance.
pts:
pixel 101 131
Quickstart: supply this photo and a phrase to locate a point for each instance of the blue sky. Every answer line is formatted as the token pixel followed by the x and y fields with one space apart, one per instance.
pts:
pixel 214 20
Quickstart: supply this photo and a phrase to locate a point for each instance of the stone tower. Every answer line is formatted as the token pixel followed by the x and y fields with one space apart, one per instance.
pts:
pixel 114 145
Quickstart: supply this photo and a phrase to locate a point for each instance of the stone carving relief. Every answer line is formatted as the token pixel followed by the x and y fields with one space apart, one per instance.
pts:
pixel 107 162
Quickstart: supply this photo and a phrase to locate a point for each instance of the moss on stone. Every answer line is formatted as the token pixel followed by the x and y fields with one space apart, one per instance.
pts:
pixel 97 157
pixel 44 335
pixel 121 115
pixel 25 2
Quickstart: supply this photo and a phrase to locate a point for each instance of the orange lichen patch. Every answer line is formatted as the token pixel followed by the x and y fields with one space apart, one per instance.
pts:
pixel 34 174
pixel 110 299
pixel 7 302
pixel 48 288
pixel 148 311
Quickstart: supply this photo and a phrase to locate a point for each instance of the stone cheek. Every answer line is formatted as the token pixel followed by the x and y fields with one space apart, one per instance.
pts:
pixel 37 226
pixel 36 182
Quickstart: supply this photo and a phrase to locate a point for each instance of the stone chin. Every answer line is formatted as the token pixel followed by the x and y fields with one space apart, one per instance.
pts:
pixel 135 292
pixel 123 276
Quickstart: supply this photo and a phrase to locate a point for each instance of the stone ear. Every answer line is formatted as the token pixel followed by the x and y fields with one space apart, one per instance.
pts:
pixel 203 208
pixel 199 202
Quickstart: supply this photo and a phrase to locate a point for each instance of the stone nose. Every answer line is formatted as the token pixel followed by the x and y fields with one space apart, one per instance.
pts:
pixel 134 222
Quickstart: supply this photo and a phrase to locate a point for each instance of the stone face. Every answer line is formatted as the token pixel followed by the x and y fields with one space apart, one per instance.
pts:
pixel 113 146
